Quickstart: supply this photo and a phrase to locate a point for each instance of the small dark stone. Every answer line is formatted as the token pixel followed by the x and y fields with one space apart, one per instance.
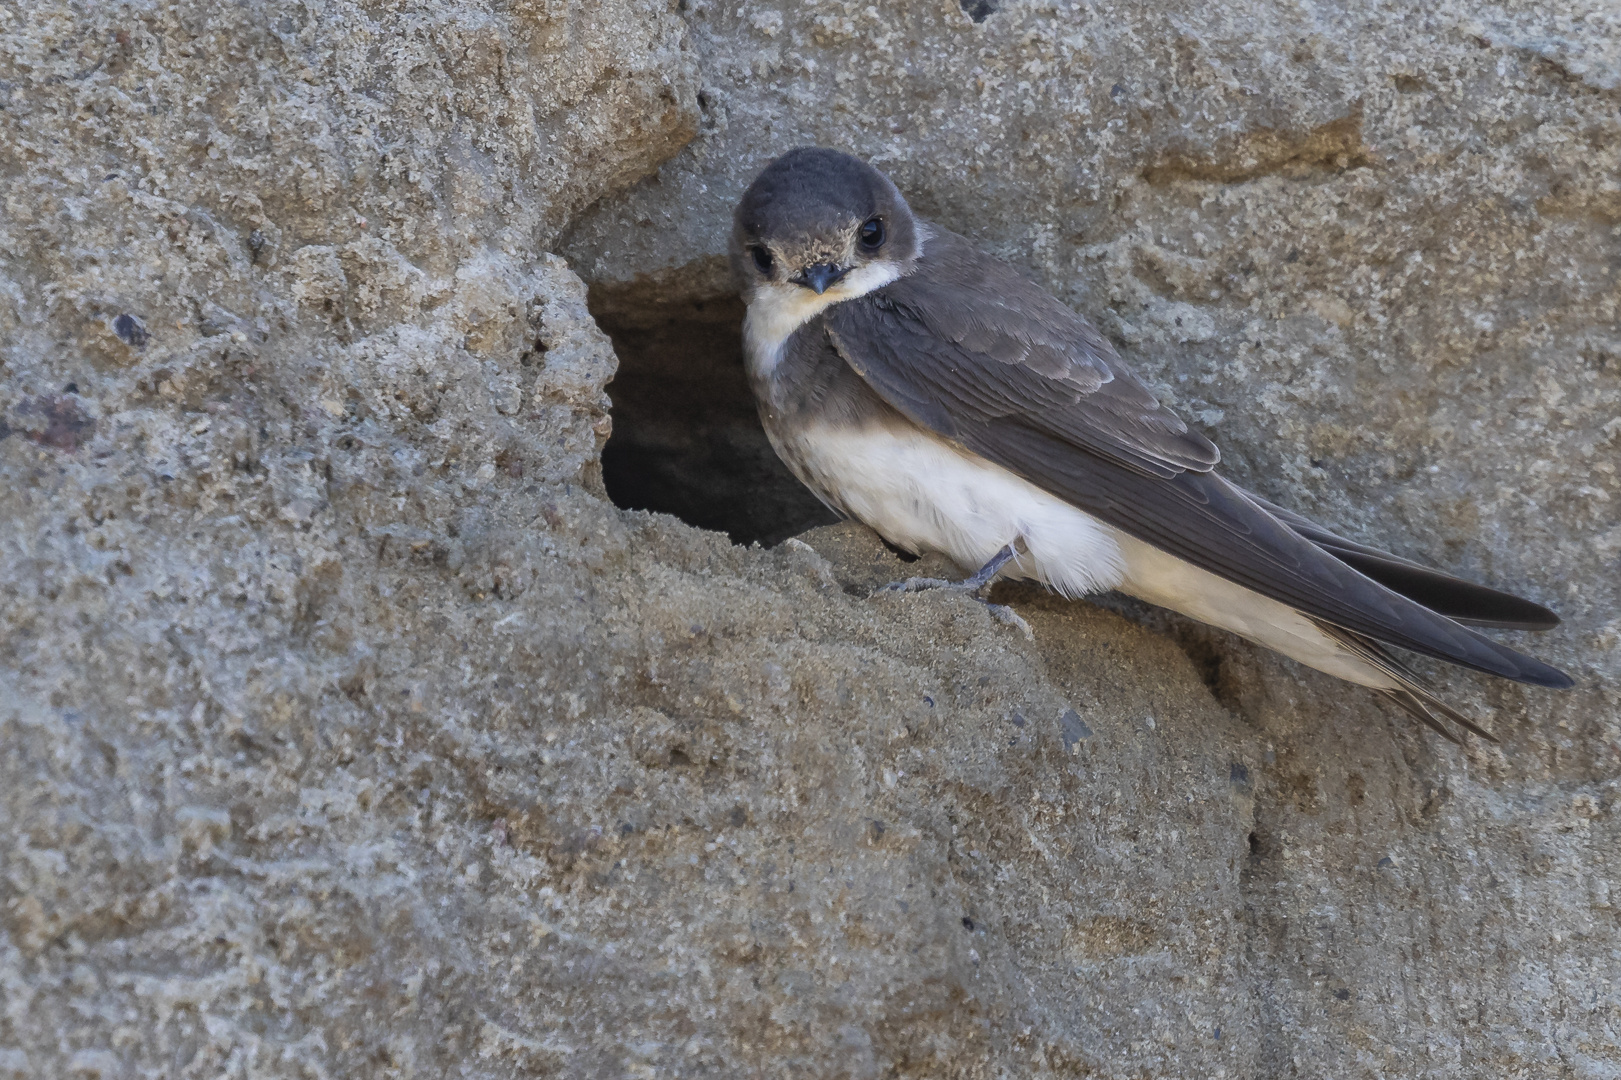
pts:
pixel 1343 994
pixel 71 388
pixel 1387 861
pixel 979 10
pixel 1239 775
pixel 1072 729
pixel 967 923
pixel 1018 720
pixel 131 330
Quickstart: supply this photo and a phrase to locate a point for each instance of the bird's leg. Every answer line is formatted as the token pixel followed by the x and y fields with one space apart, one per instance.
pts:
pixel 985 574
pixel 971 585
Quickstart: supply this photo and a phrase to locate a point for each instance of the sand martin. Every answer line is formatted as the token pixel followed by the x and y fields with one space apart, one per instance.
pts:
pixel 930 391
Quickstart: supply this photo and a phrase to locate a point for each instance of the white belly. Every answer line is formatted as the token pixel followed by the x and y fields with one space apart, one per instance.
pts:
pixel 923 494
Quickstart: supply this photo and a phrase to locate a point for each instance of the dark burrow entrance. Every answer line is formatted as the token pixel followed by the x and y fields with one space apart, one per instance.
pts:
pixel 686 438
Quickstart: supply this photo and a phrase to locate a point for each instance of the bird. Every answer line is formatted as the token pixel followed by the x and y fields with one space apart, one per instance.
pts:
pixel 929 390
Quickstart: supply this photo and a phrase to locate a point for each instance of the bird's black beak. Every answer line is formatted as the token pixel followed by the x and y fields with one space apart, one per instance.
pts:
pixel 820 276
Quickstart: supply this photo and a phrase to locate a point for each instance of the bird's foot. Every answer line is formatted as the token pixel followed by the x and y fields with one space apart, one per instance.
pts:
pixel 1004 614
pixel 971 585
pixel 924 584
pixel 974 586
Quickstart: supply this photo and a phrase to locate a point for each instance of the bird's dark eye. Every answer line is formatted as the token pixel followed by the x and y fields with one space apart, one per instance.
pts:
pixel 872 234
pixel 762 259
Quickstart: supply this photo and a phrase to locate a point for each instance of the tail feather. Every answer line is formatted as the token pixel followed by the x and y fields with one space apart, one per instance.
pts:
pixel 1414 707
pixel 1412 694
pixel 1418 701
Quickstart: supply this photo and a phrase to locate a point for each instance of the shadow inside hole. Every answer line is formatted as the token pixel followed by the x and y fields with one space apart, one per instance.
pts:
pixel 686 437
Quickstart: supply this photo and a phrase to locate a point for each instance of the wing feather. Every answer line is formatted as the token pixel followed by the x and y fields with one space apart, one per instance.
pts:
pixel 1457 599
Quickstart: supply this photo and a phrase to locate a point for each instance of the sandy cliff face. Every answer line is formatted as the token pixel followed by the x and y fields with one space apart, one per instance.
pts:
pixel 348 729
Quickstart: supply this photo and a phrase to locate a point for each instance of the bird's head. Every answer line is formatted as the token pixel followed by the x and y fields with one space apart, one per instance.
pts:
pixel 821 223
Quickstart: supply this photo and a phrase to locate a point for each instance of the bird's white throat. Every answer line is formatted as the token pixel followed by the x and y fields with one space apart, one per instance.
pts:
pixel 776 310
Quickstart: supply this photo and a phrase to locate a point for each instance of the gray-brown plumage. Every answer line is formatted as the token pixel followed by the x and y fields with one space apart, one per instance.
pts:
pixel 929 390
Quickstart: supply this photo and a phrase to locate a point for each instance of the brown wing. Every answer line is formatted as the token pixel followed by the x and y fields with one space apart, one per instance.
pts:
pixel 968 348
pixel 1017 351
